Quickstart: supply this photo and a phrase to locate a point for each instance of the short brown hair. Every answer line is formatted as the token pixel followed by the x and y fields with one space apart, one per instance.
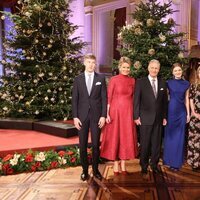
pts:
pixel 124 60
pixel 89 56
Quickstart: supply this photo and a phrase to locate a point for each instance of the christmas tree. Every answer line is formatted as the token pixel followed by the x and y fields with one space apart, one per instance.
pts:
pixel 152 36
pixel 41 60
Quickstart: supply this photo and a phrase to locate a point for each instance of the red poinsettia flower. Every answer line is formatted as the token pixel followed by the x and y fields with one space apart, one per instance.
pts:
pixel 54 164
pixel 5 167
pixel 37 164
pixel 29 158
pixel 9 171
pixel 33 168
pixel 61 153
pixel 73 160
pixel 70 153
pixel 7 157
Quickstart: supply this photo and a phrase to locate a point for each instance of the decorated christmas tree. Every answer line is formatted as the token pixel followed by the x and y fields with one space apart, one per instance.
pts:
pixel 40 60
pixel 152 35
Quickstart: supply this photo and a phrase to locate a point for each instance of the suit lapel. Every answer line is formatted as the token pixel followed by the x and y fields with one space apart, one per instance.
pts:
pixel 150 86
pixel 94 82
pixel 159 86
pixel 83 83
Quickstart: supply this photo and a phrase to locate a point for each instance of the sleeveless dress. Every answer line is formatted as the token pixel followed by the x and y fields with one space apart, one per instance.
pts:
pixel 193 154
pixel 119 139
pixel 174 137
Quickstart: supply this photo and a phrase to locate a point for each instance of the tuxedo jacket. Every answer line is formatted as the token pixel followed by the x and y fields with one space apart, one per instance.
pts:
pixel 96 102
pixel 146 106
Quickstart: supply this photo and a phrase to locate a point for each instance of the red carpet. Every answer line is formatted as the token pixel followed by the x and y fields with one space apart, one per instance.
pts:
pixel 19 141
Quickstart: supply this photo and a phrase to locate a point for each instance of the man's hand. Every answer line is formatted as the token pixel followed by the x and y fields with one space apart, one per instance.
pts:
pixel 102 121
pixel 77 123
pixel 164 122
pixel 138 122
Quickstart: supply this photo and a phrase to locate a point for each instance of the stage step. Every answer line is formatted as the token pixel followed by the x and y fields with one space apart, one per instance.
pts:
pixel 58 128
pixel 19 124
pixel 55 128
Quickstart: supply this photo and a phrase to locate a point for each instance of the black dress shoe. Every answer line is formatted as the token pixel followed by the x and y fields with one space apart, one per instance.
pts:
pixel 98 175
pixel 156 170
pixel 84 176
pixel 144 171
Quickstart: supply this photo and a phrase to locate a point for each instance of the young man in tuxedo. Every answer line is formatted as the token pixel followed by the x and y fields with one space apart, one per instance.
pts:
pixel 89 109
pixel 150 108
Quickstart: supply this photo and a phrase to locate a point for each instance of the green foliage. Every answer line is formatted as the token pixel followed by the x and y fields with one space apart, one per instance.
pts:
pixel 152 36
pixel 41 60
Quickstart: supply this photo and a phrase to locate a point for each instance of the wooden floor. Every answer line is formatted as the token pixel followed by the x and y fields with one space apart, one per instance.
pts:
pixel 65 184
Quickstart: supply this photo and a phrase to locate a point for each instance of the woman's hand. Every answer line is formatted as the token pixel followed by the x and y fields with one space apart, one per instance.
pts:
pixel 108 120
pixel 188 118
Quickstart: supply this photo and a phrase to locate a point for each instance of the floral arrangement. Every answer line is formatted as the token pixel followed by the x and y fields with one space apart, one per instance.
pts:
pixel 32 161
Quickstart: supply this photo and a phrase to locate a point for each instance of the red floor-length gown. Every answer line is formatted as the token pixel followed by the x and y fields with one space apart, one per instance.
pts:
pixel 119 136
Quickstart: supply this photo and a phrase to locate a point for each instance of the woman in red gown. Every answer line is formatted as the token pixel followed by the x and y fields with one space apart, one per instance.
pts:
pixel 119 142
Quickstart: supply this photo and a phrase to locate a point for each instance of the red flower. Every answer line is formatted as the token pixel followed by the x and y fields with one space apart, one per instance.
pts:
pixel 73 160
pixel 61 153
pixel 33 168
pixel 9 171
pixel 54 164
pixel 37 164
pixel 70 153
pixel 29 158
pixel 5 167
pixel 7 157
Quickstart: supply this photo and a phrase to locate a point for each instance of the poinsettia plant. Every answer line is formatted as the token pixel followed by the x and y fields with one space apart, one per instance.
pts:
pixel 32 161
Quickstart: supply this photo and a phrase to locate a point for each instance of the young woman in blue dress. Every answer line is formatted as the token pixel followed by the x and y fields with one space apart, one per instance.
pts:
pixel 178 116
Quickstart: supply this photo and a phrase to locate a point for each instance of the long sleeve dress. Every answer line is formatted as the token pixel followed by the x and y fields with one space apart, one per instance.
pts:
pixel 193 154
pixel 174 138
pixel 119 136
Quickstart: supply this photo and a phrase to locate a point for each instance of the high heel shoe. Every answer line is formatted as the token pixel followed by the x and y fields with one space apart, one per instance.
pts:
pixel 125 173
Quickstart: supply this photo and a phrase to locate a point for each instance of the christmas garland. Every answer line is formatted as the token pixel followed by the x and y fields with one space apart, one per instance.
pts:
pixel 32 161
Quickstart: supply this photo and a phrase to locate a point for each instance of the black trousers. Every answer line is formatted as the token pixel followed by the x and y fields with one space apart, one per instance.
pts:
pixel 150 144
pixel 89 124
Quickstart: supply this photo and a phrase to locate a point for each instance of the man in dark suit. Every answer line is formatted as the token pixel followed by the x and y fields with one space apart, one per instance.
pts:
pixel 89 109
pixel 150 107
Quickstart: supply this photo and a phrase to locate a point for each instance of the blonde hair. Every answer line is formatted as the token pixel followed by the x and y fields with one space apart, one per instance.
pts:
pixel 197 78
pixel 124 60
pixel 89 56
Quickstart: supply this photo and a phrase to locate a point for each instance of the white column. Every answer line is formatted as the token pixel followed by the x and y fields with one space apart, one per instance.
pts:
pixel 88 28
pixel 130 9
pixel 77 17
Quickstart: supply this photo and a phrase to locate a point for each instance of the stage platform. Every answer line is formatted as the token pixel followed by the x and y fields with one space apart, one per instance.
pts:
pixel 64 129
pixel 18 135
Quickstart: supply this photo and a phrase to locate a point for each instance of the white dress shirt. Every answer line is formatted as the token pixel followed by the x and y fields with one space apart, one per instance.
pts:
pixel 156 82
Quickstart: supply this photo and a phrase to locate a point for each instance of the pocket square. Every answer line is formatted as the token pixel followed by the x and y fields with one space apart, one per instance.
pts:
pixel 161 88
pixel 98 83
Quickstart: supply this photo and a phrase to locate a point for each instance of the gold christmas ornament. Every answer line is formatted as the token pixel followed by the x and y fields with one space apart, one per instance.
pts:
pixel 150 22
pixel 181 55
pixel 151 52
pixel 137 65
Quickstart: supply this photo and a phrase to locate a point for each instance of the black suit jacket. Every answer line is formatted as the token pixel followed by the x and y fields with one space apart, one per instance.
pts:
pixel 146 106
pixel 96 103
